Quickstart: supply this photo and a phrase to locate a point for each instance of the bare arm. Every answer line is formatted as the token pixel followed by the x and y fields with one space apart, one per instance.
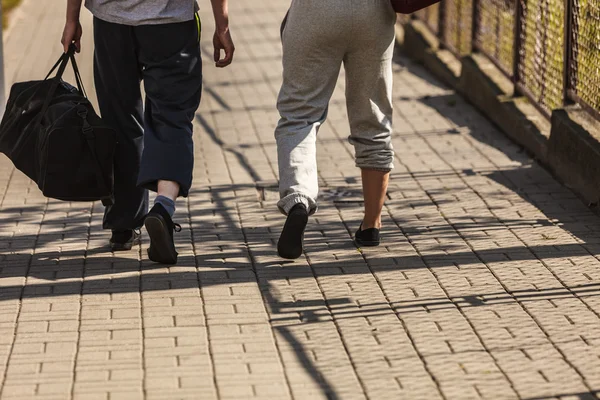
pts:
pixel 222 38
pixel 72 32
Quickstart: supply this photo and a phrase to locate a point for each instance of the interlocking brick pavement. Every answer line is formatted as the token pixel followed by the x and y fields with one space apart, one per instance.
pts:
pixel 487 285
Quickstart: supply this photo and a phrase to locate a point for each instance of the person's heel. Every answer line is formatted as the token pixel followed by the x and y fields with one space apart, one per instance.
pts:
pixel 368 237
pixel 160 228
pixel 124 240
pixel 292 237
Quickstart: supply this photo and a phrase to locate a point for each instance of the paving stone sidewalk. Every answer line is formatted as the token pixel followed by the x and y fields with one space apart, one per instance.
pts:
pixel 487 285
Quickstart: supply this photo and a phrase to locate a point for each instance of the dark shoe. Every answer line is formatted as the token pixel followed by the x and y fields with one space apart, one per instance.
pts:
pixel 367 238
pixel 124 240
pixel 160 228
pixel 290 241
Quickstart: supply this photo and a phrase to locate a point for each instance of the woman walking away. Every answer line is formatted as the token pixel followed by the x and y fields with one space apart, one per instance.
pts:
pixel 318 37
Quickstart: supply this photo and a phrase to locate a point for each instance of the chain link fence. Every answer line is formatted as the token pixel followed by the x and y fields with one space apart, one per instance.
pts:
pixel 541 52
pixel 431 17
pixel 549 48
pixel 584 62
pixel 495 32
pixel 457 25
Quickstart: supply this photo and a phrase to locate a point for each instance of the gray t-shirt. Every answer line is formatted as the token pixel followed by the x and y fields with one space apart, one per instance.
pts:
pixel 143 12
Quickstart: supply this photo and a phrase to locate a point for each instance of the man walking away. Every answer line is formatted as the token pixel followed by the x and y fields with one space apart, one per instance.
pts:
pixel 157 42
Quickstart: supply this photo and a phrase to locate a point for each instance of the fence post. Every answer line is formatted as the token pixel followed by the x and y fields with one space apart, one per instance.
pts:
pixel 441 25
pixel 517 46
pixel 474 25
pixel 568 50
pixel 2 84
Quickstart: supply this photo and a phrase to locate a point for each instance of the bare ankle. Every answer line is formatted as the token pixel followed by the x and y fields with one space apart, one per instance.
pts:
pixel 371 224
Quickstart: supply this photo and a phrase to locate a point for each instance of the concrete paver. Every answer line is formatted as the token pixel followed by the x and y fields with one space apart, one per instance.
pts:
pixel 486 287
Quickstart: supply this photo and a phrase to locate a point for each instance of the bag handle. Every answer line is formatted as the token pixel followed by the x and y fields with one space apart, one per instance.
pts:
pixel 60 60
pixel 70 54
pixel 78 79
pixel 61 64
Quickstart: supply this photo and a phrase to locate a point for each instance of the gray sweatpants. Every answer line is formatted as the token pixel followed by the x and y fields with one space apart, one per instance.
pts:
pixel 318 36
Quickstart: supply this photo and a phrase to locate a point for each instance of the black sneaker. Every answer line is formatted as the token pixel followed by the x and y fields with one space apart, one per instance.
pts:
pixel 124 240
pixel 292 236
pixel 160 228
pixel 368 237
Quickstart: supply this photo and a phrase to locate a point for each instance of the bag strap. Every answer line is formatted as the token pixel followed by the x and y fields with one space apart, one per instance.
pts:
pixel 60 60
pixel 78 79
pixel 61 70
pixel 88 133
pixel 61 64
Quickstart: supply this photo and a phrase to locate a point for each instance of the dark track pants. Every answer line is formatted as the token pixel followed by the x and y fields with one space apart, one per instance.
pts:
pixel 155 140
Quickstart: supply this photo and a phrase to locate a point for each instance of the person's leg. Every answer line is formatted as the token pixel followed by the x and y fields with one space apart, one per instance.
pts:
pixel 170 55
pixel 117 76
pixel 369 101
pixel 166 195
pixel 375 184
pixel 313 49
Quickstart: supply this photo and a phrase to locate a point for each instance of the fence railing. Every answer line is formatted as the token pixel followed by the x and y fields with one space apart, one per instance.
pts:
pixel 549 48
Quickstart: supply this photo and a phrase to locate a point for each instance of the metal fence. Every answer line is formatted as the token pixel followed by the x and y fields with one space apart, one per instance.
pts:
pixel 494 32
pixel 456 28
pixel 549 48
pixel 431 17
pixel 583 77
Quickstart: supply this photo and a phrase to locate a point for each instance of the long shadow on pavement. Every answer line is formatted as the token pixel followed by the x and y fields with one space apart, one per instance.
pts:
pixel 17 259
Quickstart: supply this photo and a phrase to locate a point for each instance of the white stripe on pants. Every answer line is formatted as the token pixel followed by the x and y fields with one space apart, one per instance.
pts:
pixel 319 36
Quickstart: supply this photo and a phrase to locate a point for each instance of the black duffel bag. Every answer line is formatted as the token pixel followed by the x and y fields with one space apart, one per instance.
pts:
pixel 51 132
